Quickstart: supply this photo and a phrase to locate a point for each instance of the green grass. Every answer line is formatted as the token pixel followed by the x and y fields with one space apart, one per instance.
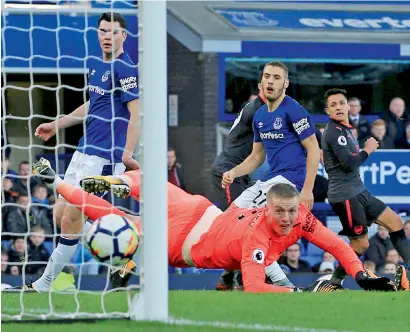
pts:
pixel 353 311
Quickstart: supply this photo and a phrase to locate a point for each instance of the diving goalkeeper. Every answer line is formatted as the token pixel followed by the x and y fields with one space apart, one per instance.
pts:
pixel 200 235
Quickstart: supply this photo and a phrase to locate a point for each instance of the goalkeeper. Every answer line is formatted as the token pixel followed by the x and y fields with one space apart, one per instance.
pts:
pixel 201 235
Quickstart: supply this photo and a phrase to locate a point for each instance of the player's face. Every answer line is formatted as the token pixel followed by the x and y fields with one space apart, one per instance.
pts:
pixel 282 213
pixel 111 37
pixel 338 107
pixel 274 82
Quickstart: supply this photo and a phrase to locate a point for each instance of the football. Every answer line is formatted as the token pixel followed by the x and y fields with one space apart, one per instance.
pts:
pixel 112 239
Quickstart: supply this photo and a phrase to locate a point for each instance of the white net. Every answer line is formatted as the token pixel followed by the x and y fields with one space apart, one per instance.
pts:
pixel 47 47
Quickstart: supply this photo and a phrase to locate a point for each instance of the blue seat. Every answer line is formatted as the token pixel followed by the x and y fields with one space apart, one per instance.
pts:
pixel 6 244
pixel 49 246
pixel 312 260
pixel 312 250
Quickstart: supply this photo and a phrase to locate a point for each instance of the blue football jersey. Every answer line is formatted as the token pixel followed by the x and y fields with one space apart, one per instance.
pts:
pixel 281 133
pixel 111 85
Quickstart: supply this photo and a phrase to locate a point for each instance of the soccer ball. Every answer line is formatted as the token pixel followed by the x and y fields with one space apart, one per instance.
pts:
pixel 112 239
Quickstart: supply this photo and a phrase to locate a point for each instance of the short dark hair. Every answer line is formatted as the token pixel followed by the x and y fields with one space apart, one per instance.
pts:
pixel 334 91
pixel 24 162
pixel 113 17
pixel 275 64
pixel 282 190
pixel 170 148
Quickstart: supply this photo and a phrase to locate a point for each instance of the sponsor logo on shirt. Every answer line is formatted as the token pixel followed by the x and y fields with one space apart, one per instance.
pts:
pixel 271 136
pixel 104 78
pixel 277 124
pixel 96 89
pixel 128 83
pixel 301 125
pixel 258 256
pixel 310 223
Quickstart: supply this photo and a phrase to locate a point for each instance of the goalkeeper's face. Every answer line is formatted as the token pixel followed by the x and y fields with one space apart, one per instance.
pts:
pixel 282 214
pixel 111 37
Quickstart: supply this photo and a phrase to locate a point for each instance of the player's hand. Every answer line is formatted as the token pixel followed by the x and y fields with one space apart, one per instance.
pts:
pixel 227 178
pixel 369 283
pixel 371 145
pixel 306 198
pixel 46 130
pixel 129 162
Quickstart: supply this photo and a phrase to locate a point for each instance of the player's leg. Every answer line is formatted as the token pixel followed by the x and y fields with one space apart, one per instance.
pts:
pixel 219 196
pixel 387 218
pixel 354 221
pixel 93 206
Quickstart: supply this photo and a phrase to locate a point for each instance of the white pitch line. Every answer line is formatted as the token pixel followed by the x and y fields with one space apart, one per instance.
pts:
pixel 243 326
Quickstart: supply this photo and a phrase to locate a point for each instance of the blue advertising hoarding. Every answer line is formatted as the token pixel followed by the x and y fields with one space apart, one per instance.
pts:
pixel 316 19
pixel 386 174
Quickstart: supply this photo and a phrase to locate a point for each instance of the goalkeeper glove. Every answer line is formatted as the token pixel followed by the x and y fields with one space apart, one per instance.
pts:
pixel 370 283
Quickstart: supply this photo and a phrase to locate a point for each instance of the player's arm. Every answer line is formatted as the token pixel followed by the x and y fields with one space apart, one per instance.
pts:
pixel 133 134
pixel 312 164
pixel 75 117
pixel 253 268
pixel 47 130
pixel 348 161
pixel 127 80
pixel 254 160
pixel 324 238
pixel 299 119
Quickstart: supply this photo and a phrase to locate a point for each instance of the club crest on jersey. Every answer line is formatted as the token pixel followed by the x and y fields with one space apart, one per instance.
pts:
pixel 104 78
pixel 342 140
pixel 258 256
pixel 277 124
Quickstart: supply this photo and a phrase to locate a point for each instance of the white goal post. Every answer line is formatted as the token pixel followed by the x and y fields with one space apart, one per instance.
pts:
pixel 152 303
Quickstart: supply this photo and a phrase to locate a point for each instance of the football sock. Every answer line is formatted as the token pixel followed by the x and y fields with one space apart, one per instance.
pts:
pixel 402 245
pixel 59 259
pixel 340 273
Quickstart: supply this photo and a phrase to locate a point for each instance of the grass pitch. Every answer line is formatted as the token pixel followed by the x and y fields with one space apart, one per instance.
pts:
pixel 202 310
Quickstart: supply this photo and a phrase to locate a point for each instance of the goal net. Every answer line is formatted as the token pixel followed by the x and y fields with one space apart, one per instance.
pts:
pixel 46 48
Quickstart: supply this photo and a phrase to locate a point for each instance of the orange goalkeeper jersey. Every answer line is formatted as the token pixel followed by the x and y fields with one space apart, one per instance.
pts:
pixel 242 239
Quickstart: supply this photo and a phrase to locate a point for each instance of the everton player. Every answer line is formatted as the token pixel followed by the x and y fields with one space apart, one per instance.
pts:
pixel 283 131
pixel 111 118
pixel 201 235
pixel 355 206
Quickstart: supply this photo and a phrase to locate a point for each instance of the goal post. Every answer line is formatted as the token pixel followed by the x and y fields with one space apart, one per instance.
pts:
pixel 152 303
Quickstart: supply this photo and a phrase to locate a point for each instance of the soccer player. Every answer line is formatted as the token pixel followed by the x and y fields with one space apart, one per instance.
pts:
pixel 285 133
pixel 201 235
pixel 237 148
pixel 111 134
pixel 355 206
